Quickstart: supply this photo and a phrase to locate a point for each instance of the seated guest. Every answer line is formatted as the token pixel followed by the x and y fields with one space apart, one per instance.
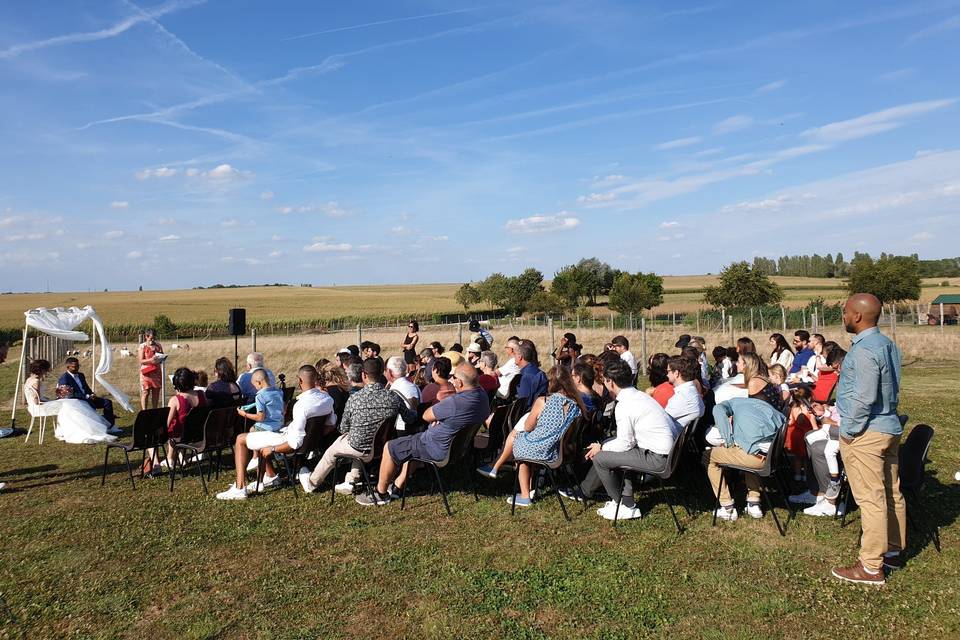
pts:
pixel 583 379
pixel 202 380
pixel 509 368
pixel 781 352
pixel 758 384
pixel 564 355
pixel 686 403
pixel 80 390
pixel 245 382
pixel 599 388
pixel 489 381
pixel 441 387
pixel 622 346
pixel 365 412
pixel 798 425
pixel 333 379
pixel 699 345
pixel 660 387
pixel 539 436
pixel 745 345
pixel 801 342
pixel 723 370
pixel 473 354
pixel 369 350
pixel 645 435
pixel 354 350
pixel 224 390
pixel 747 426
pixel 533 382
pixel 436 350
pixel 468 406
pixel 355 373
pixel 183 402
pixel 829 372
pixel 343 358
pixel 456 347
pixel 312 402
pixel 397 381
pixel 319 363
pixel 778 376
pixel 823 465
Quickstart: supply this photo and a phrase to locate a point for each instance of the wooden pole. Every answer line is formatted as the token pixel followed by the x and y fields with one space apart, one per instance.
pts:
pixel 359 334
pixel 93 360
pixel 751 320
pixel 23 357
pixel 761 321
pixel 253 338
pixel 698 320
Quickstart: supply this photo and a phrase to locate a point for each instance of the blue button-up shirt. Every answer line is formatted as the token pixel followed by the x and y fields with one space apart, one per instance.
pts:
pixel 801 359
pixel 533 384
pixel 755 422
pixel 869 387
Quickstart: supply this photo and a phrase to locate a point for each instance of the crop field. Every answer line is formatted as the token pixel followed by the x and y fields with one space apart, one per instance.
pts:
pixel 385 304
pixel 81 560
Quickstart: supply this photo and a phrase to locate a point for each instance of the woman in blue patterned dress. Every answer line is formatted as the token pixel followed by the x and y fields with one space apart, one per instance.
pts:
pixel 537 435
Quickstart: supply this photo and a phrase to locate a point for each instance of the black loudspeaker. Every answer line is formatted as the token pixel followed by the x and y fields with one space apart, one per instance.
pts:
pixel 238 322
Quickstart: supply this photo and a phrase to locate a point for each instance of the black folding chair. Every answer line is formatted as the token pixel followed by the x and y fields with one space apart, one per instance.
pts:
pixel 461 448
pixel 488 444
pixel 217 435
pixel 913 473
pixel 149 432
pixel 769 470
pixel 386 431
pixel 193 435
pixel 317 438
pixel 548 467
pixel 673 461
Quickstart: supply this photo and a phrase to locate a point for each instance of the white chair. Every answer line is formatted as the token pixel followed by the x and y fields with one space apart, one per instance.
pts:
pixel 41 410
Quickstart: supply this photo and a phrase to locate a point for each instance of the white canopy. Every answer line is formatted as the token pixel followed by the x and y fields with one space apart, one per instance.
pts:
pixel 62 323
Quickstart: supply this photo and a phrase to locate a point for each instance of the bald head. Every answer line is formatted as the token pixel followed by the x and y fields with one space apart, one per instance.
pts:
pixel 861 311
pixel 259 378
pixel 468 375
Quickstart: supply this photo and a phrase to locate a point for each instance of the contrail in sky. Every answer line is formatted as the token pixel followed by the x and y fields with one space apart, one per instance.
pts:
pixel 379 22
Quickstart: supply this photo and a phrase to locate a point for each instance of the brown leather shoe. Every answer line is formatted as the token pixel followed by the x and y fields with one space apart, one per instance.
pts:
pixel 859 575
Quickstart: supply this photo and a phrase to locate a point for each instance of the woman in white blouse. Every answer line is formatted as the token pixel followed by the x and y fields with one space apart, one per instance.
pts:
pixel 782 354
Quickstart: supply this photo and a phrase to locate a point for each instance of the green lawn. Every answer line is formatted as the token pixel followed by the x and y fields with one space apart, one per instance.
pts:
pixel 79 560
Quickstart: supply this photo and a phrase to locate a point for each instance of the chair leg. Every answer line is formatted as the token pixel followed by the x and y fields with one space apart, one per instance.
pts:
pixel 126 457
pixel 173 468
pixel 556 490
pixel 673 513
pixel 106 454
pixel 786 497
pixel 769 503
pixel 619 498
pixel 199 466
pixel 370 486
pixel 716 506
pixel 443 491
pixel 286 465
pixel 516 488
pixel 30 428
pixel 43 425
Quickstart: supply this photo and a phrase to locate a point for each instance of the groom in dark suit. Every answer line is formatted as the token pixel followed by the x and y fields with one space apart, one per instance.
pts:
pixel 81 390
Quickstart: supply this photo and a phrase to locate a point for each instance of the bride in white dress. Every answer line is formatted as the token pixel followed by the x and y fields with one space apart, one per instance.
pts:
pixel 77 421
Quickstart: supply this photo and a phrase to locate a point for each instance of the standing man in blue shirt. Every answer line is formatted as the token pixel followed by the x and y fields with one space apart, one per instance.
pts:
pixel 870 431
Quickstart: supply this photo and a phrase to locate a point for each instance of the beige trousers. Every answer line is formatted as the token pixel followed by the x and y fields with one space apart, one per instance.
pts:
pixel 732 455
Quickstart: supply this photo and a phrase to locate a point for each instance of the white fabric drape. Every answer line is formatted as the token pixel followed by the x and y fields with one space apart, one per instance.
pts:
pixel 62 323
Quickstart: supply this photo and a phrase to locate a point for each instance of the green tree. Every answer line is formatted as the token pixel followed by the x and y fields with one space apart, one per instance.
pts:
pixel 467 296
pixel 891 278
pixel 575 284
pixel 632 293
pixel 164 326
pixel 602 276
pixel 547 302
pixel 519 289
pixel 741 286
pixel 494 289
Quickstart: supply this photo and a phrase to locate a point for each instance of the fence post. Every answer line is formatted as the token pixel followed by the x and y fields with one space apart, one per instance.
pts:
pixel 698 320
pixel 730 324
pixel 760 311
pixel 553 346
pixel 941 317
pixel 803 313
pixel 631 321
pixel 751 319
pixel 813 319
pixel 459 331
pixel 783 316
pixel 643 342
pixel 253 339
pixel 611 322
pixel 359 334
pixel 93 357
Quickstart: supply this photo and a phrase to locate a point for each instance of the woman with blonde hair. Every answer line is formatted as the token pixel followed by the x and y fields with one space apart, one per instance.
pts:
pixel 757 382
pixel 333 379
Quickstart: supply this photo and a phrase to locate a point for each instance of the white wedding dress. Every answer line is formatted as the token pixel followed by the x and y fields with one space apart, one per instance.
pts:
pixel 77 421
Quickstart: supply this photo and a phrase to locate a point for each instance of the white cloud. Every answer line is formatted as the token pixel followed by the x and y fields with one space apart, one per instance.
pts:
pixel 166 222
pixel 266 195
pixel 230 223
pixel 400 230
pixel 708 152
pixel 875 122
pixel 516 249
pixel 113 235
pixel 596 197
pixel 159 172
pixel 170 238
pixel 327 247
pixel 896 74
pixel 192 172
pixel 669 224
pixel 562 221
pixel 926 152
pixel 277 238
pixel 276 254
pixel 922 236
pixel 678 143
pixel 436 238
pixel 947 24
pixel 775 203
pixel 223 172
pixel 771 86
pixel 119 204
pixel 731 124
pixel 330 209
pixel 133 255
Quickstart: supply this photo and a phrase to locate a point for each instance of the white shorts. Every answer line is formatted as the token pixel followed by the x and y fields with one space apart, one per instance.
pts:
pixel 264 439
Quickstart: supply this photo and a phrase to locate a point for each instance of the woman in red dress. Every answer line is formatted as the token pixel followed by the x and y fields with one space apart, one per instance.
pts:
pixel 150 380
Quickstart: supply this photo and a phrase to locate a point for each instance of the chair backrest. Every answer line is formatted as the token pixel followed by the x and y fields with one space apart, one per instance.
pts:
pixel 774 453
pixel 193 425
pixel 517 409
pixel 565 443
pixel 676 451
pixel 317 435
pixel 571 445
pixel 512 388
pixel 823 388
pixel 386 431
pixel 498 428
pixel 461 444
pixel 150 428
pixel 219 428
pixel 913 457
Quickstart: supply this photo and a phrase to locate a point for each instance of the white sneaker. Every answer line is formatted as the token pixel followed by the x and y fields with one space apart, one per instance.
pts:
pixel 754 510
pixel 727 513
pixel 345 488
pixel 269 482
pixel 2 485
pixel 803 498
pixel 609 511
pixel 253 464
pixel 233 493
pixel 304 478
pixel 822 508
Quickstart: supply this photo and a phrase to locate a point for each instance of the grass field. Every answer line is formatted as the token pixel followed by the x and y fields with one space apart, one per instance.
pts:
pixel 296 303
pixel 84 561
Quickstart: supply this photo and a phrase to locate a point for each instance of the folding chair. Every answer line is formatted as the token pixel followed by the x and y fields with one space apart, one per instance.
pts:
pixel 149 432
pixel 193 432
pixel 318 436
pixel 673 461
pixel 496 433
pixel 912 473
pixel 769 470
pixel 460 448
pixel 549 467
pixel 218 427
pixel 386 431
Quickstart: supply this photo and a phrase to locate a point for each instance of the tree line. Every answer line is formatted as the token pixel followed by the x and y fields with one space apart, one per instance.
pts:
pixel 829 266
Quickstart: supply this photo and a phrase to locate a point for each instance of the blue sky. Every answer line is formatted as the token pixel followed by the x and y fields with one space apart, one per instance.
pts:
pixel 188 142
